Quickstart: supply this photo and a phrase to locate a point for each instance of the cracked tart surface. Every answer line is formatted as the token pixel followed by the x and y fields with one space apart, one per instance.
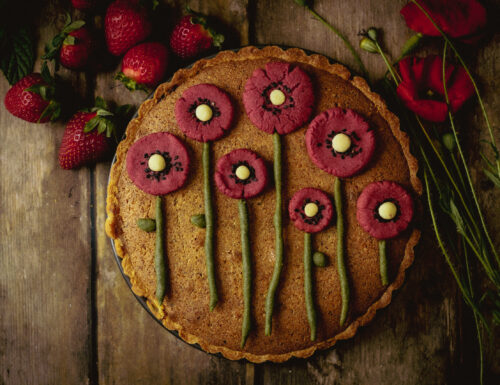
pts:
pixel 186 305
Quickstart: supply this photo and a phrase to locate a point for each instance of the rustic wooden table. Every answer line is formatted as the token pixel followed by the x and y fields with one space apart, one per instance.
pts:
pixel 68 316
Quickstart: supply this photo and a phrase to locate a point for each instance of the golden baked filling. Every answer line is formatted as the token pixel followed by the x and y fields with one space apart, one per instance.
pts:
pixel 236 326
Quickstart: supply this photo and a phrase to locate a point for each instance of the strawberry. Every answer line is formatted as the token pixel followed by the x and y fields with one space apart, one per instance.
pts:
pixel 72 45
pixel 83 5
pixel 31 99
pixel 143 66
pixel 126 24
pixel 87 135
pixel 76 49
pixel 191 36
pixel 78 147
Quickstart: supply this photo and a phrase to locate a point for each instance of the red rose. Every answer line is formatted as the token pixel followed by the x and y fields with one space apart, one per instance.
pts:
pixel 460 19
pixel 422 91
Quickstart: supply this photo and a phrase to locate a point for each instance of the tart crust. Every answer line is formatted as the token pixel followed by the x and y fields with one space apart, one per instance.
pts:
pixel 116 227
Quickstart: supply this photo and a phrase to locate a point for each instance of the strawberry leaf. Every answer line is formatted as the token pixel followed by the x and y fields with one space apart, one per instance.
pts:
pixel 53 110
pixel 69 40
pixel 52 49
pixel 217 38
pixel 125 111
pixel 131 84
pixel 102 126
pixel 73 26
pixel 100 103
pixel 102 112
pixel 18 55
pixel 46 74
pixel 91 124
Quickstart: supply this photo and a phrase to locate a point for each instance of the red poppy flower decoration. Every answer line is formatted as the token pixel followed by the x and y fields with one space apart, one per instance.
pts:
pixel 158 163
pixel 241 174
pixel 340 142
pixel 384 209
pixel 422 91
pixel 278 98
pixel 204 112
pixel 460 19
pixel 310 210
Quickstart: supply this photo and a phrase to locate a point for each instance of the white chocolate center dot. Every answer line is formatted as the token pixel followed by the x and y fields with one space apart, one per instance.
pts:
pixel 341 142
pixel 387 210
pixel 243 172
pixel 157 163
pixel 277 97
pixel 311 209
pixel 203 112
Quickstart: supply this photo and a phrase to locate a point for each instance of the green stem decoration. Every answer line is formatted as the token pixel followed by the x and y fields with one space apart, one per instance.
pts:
pixel 247 270
pixel 382 248
pixel 209 226
pixel 344 283
pixel 278 228
pixel 308 284
pixel 160 268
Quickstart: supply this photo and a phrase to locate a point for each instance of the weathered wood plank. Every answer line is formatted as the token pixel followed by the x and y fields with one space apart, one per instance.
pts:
pixel 44 249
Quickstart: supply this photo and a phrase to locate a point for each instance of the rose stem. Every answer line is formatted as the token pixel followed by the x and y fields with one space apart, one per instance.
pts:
pixel 209 229
pixel 160 267
pixel 344 284
pixel 278 228
pixel 308 285
pixel 383 261
pixel 247 270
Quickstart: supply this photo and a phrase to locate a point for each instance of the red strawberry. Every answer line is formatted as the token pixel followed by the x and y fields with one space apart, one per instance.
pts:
pixel 78 147
pixel 86 138
pixel 76 49
pixel 72 45
pixel 31 99
pixel 84 5
pixel 126 24
pixel 191 36
pixel 143 66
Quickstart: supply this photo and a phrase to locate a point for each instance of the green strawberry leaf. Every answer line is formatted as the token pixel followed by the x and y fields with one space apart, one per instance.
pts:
pixel 91 124
pixel 110 129
pixel 101 112
pixel 102 126
pixel 73 26
pixel 53 110
pixel 100 103
pixel 52 49
pixel 125 111
pixel 49 79
pixel 69 40
pixel 131 84
pixel 217 38
pixel 18 56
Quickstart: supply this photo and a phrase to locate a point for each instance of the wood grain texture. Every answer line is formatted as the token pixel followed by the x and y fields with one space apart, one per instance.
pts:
pixel 68 315
pixel 44 249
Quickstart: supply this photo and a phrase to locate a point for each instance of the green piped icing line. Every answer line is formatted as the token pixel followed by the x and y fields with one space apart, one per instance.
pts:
pixel 382 249
pixel 209 226
pixel 278 228
pixel 344 283
pixel 308 285
pixel 160 268
pixel 247 271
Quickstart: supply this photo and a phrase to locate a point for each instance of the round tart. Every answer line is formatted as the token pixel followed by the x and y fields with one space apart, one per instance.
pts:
pixel 186 305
